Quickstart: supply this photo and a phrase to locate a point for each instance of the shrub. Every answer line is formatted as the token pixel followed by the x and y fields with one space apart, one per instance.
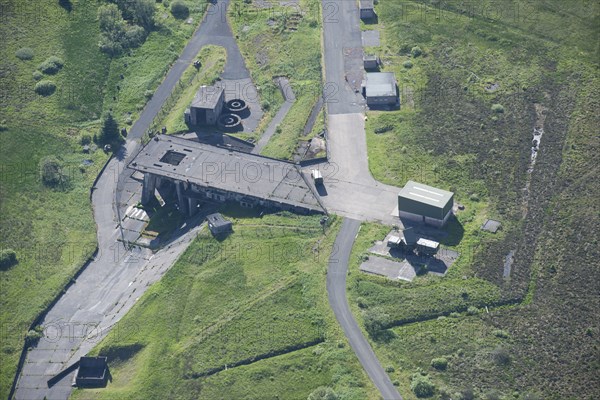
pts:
pixel 8 258
pixel 3 126
pixel 362 303
pixel 375 320
pixel 148 94
pixel 416 51
pixel 51 65
pixel 85 138
pixel 501 334
pixel 265 105
pixel 323 393
pixel 498 108
pixel 472 310
pixel 24 53
pixel 501 356
pixel 422 386
pixel 37 75
pixel 407 64
pixel 180 10
pixel 33 336
pixel 439 363
pixel 389 369
pixel 45 88
pixel 51 172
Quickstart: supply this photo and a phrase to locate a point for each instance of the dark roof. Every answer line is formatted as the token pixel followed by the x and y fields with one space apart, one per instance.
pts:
pixel 217 220
pixel 380 84
pixel 224 169
pixel 207 97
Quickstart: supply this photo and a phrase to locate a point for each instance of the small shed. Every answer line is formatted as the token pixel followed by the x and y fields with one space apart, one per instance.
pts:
pixel 491 226
pixel 92 372
pixel 218 225
pixel 394 241
pixel 427 247
pixel 371 62
pixel 367 9
pixel 206 106
pixel 381 89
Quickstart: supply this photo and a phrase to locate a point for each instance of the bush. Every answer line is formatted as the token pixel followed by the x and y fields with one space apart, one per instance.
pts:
pixel 375 320
pixel 116 34
pixel 51 66
pixel 416 51
pixel 33 336
pixel 265 105
pixel 407 64
pixel 85 138
pixel 45 88
pixel 498 108
pixel 3 126
pixel 501 334
pixel 180 10
pixel 24 53
pixel 51 172
pixel 389 369
pixel 8 258
pixel 472 310
pixel 322 393
pixel 439 363
pixel 501 356
pixel 422 386
pixel 37 75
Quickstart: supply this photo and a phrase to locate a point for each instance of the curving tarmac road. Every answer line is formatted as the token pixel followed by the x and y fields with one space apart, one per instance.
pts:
pixel 336 290
pixel 350 190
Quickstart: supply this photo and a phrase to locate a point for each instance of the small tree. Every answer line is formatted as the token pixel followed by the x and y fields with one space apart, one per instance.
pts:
pixel 322 393
pixel 8 258
pixel 439 363
pixel 416 51
pixel 143 11
pixel 109 133
pixel 24 53
pixel 375 320
pixel 51 172
pixel 498 108
pixel 422 386
pixel 45 88
pixel 51 65
pixel 180 10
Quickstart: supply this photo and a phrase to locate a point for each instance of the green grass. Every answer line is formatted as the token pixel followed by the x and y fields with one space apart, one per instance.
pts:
pixel 259 295
pixel 53 231
pixel 283 145
pixel 448 135
pixel 277 50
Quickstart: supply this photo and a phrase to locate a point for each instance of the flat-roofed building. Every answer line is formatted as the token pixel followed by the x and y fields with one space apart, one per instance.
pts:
pixel 201 172
pixel 423 203
pixel 381 89
pixel 367 9
pixel 206 106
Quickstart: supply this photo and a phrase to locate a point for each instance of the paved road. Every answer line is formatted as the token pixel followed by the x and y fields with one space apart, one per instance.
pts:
pixel 349 188
pixel 336 290
pixel 115 280
pixel 288 102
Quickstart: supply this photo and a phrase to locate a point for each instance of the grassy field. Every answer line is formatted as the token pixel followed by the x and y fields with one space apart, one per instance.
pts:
pixel 52 230
pixel 451 133
pixel 281 41
pixel 250 308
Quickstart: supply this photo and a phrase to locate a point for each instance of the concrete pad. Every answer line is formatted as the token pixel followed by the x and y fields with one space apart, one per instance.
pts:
pixel 390 269
pixel 370 38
